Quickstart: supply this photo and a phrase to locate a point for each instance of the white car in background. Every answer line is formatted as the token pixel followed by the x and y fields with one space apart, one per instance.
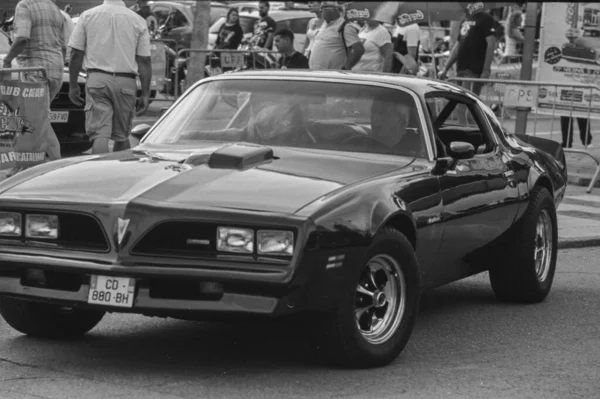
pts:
pixel 296 21
pixel 252 6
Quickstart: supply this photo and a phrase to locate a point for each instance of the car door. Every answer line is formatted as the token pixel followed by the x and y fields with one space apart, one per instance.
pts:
pixel 480 198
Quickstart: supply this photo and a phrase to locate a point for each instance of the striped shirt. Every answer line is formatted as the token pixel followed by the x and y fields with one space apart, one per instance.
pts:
pixel 41 22
pixel 111 35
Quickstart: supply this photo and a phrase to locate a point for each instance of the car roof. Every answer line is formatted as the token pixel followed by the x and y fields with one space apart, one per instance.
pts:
pixel 279 15
pixel 419 85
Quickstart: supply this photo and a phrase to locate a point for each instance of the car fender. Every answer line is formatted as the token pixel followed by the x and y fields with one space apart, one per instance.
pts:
pixel 354 218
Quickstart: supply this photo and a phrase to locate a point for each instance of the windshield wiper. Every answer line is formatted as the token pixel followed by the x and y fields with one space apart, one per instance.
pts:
pixel 153 157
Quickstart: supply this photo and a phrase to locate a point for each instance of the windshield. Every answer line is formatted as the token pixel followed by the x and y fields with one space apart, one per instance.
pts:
pixel 247 24
pixel 306 114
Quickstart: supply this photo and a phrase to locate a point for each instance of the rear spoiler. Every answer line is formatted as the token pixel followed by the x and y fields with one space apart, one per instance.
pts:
pixel 549 146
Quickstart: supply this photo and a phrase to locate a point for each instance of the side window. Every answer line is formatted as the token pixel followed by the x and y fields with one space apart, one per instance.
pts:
pixel 299 25
pixel 284 24
pixel 459 123
pixel 161 12
pixel 179 19
pixel 247 24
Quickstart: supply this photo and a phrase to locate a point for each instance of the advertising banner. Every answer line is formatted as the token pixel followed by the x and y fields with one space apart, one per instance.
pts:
pixel 23 134
pixel 159 64
pixel 570 53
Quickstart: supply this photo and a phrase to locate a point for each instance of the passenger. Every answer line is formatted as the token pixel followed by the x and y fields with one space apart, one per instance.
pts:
pixel 273 124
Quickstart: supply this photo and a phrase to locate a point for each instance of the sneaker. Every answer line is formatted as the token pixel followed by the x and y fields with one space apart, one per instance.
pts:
pixel 589 146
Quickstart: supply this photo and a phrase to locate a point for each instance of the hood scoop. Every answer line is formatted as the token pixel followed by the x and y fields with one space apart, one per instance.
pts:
pixel 236 156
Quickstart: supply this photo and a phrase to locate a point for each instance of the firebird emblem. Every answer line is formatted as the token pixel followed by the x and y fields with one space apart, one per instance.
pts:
pixel 121 229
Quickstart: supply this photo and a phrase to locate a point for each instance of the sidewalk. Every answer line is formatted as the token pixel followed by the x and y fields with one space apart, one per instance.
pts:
pixel 579 219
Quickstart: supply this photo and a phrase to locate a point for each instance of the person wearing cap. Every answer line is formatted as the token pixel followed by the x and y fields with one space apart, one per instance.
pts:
pixel 337 45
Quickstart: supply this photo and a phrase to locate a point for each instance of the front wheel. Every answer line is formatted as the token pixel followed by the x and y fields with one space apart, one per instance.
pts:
pixel 48 321
pixel 378 307
pixel 526 275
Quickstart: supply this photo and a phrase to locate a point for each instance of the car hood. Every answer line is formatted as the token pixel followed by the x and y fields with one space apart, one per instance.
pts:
pixel 293 179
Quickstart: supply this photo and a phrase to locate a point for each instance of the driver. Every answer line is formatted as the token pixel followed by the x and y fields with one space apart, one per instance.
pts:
pixel 389 120
pixel 389 124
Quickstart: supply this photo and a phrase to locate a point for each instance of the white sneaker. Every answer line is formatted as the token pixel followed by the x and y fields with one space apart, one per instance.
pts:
pixel 590 146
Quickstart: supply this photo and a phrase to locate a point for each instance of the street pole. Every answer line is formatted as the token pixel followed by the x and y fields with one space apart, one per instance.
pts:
pixel 527 62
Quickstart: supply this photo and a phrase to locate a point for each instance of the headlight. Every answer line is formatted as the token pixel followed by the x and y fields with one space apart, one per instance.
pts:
pixel 10 224
pixel 234 239
pixel 275 242
pixel 41 226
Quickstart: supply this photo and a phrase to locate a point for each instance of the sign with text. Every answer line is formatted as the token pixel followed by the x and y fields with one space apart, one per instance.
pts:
pixel 520 96
pixel 24 126
pixel 570 53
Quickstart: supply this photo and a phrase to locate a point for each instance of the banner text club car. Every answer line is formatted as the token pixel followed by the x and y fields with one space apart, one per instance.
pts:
pixel 332 195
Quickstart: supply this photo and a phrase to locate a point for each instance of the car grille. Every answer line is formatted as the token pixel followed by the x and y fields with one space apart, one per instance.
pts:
pixel 179 239
pixel 61 101
pixel 579 52
pixel 76 231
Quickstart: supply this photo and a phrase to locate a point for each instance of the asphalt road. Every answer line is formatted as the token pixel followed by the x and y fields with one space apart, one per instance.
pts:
pixel 465 345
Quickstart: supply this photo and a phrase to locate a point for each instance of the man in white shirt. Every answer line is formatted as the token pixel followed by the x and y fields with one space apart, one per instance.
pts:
pixel 337 45
pixel 114 44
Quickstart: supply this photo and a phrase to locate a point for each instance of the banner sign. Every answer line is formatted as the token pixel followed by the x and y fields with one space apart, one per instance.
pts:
pixel 159 64
pixel 570 53
pixel 381 11
pixel 23 136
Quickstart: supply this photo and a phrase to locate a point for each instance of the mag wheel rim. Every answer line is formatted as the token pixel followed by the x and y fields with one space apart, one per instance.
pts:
pixel 380 299
pixel 543 245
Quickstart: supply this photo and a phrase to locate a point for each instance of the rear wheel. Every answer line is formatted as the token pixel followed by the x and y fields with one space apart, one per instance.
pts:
pixel 378 307
pixel 527 273
pixel 48 321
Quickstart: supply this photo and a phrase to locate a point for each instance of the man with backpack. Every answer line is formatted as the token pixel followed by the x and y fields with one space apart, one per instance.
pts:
pixel 337 45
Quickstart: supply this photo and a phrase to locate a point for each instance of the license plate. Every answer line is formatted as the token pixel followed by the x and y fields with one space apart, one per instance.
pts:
pixel 112 291
pixel 59 116
pixel 232 60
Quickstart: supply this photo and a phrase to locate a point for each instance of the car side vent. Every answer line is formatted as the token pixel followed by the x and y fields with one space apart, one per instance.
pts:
pixel 240 156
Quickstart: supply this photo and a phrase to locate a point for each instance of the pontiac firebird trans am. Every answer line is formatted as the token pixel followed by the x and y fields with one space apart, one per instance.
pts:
pixel 335 195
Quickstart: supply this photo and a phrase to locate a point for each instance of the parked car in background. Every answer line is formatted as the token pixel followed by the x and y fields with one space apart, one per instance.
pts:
pixel 331 196
pixel 296 21
pixel 179 18
pixel 252 6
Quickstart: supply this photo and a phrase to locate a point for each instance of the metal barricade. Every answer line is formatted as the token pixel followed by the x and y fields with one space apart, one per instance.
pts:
pixel 161 52
pixel 540 100
pixel 432 62
pixel 220 61
pixel 5 71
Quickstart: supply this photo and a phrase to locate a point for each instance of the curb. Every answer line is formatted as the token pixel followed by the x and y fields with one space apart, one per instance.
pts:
pixel 579 243
pixel 581 180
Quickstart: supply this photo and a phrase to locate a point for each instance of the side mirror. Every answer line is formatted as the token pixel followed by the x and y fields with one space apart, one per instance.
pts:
pixel 461 150
pixel 163 110
pixel 140 130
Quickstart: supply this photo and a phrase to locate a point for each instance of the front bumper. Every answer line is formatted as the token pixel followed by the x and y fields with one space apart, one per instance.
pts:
pixel 178 291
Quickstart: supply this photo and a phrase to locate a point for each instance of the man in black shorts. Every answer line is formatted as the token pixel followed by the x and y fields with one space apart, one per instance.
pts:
pixel 474 51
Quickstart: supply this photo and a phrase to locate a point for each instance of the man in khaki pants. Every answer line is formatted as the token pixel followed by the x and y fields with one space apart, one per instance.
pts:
pixel 114 44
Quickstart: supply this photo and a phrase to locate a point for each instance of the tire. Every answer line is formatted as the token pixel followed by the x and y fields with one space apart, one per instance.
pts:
pixel 520 278
pixel 48 321
pixel 338 337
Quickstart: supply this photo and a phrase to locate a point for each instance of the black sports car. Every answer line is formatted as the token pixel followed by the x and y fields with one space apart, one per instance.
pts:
pixel 285 193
